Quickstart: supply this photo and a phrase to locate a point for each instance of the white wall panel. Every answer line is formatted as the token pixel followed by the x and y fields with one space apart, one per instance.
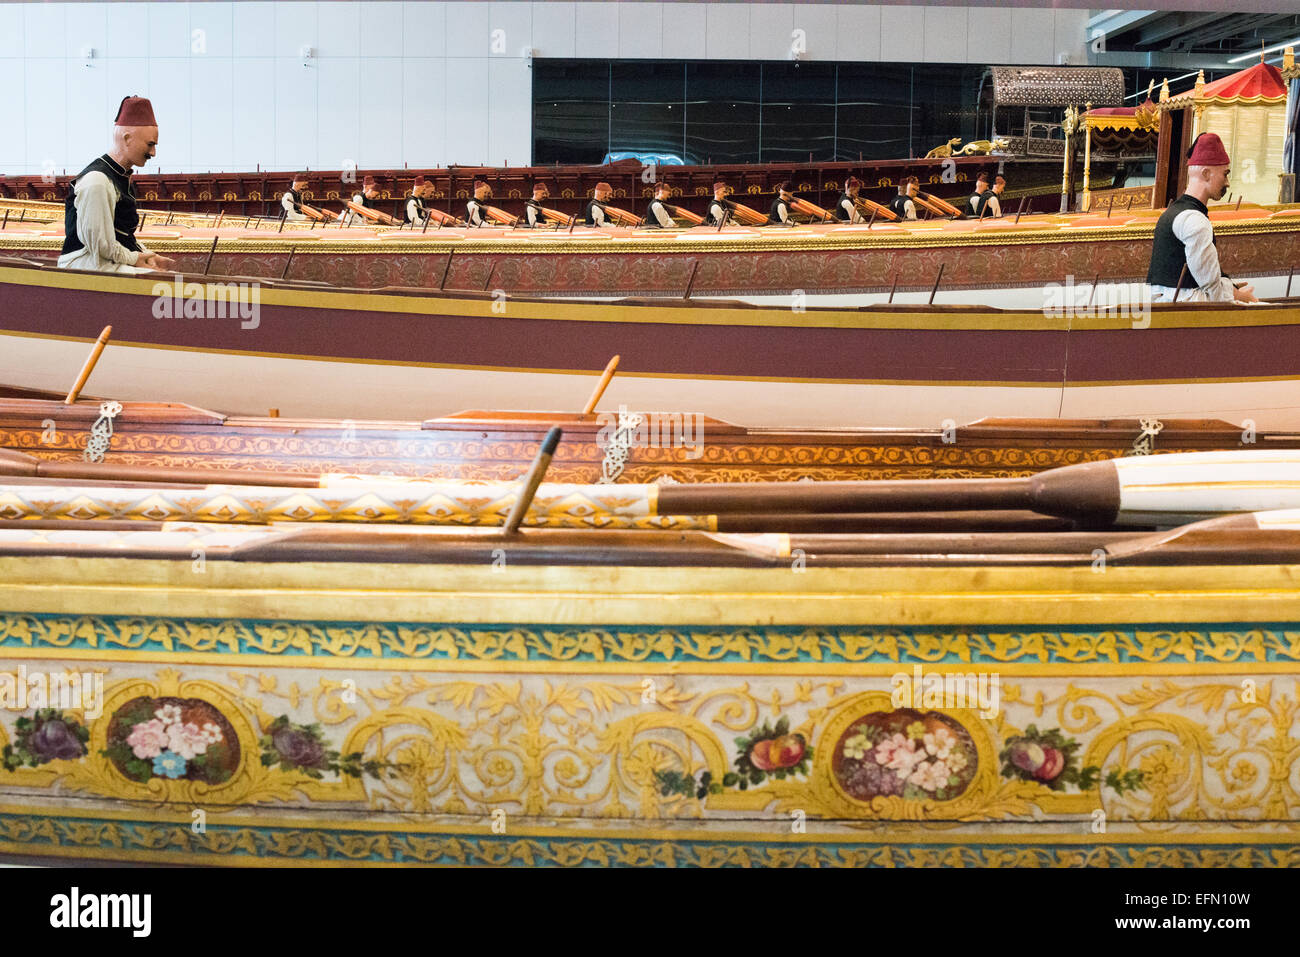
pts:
pixel 254 28
pixel 295 27
pixel 683 31
pixel 727 31
pixel 89 114
pixel 212 107
pixel 46 101
pixel 13 147
pixel 169 29
pixel 254 137
pixel 338 29
pixel 381 113
pixel 597 28
pixel 296 115
pixel 169 89
pixel 424 29
pixel 945 30
pixel 640 30
pixel 820 25
pixel 1072 34
pixel 770 29
pixel 211 29
pixel 468 33
pixel 902 34
pixel 13 40
pixel 86 26
pixel 510 114
pixel 381 29
pixel 989 37
pixel 424 84
pixel 415 82
pixel 338 97
pixel 467 111
pixel 1033 36
pixel 515 21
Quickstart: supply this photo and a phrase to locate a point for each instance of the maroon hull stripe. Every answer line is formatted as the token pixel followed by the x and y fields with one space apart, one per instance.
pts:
pixel 500 341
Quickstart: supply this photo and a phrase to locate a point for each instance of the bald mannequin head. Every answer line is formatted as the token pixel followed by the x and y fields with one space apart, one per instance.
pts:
pixel 134 145
pixel 1207 182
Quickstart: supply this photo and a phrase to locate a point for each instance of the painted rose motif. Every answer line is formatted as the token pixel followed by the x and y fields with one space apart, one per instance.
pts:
pixel 1049 758
pixel 905 754
pixel 172 738
pixel 49 735
pixel 298 747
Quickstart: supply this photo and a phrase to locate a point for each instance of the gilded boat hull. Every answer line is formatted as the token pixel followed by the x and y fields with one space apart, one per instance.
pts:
pixel 379 714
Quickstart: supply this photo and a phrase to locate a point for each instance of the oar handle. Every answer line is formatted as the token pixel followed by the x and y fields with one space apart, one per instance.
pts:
pixel 534 478
pixel 89 367
pixel 601 386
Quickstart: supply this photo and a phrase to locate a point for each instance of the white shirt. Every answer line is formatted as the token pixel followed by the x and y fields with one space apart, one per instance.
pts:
pixel 909 209
pixel 475 209
pixel 598 215
pixel 851 208
pixel 413 214
pixel 291 215
pixel 95 199
pixel 1205 281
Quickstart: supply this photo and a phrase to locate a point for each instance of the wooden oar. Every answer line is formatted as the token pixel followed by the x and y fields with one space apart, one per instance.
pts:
pixel 745 215
pixel 871 206
pixel 532 481
pixel 373 215
pixel 695 219
pixel 948 208
pixel 811 210
pixel 498 215
pixel 89 367
pixel 597 392
pixel 1161 490
pixel 621 216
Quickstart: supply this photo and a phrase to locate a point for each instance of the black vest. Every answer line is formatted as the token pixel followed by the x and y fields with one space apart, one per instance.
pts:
pixel 469 210
pixel 536 207
pixel 898 205
pixel 841 213
pixel 774 214
pixel 1168 255
pixel 126 218
pixel 587 215
pixel 981 203
pixel 297 199
pixel 650 219
pixel 715 219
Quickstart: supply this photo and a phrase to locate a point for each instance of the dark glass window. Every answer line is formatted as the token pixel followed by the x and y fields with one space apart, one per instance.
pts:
pixel 740 112
pixel 722 112
pixel 647 107
pixel 570 111
pixel 798 112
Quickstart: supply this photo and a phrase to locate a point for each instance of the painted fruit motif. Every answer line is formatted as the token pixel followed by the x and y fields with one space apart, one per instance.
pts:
pixel 782 752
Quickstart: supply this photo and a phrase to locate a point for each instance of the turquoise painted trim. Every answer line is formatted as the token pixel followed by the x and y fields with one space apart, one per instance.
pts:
pixel 88 835
pixel 534 643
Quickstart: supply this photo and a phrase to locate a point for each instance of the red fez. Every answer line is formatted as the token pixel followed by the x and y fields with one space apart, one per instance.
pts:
pixel 300 177
pixel 479 182
pixel 719 185
pixel 543 187
pixel 368 182
pixel 662 185
pixel 1208 151
pixel 783 188
pixel 604 185
pixel 853 181
pixel 419 181
pixel 1000 179
pixel 982 178
pixel 135 111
